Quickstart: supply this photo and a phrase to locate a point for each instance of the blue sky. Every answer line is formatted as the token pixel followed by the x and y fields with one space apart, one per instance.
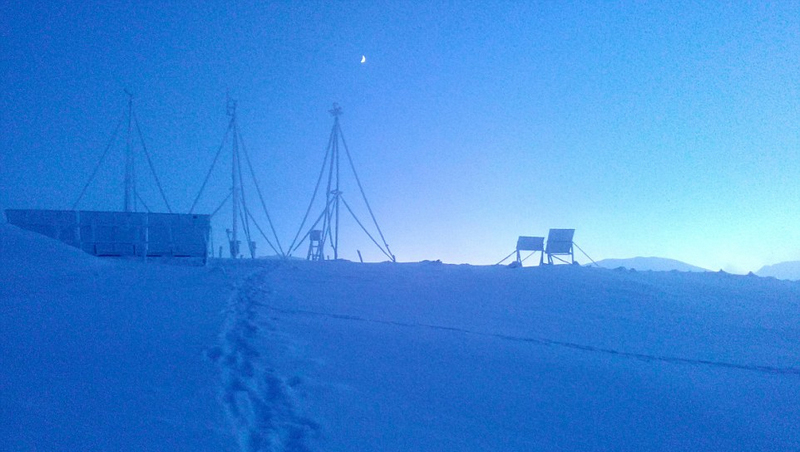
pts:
pixel 667 130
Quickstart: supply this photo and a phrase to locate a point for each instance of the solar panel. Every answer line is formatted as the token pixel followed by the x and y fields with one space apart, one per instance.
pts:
pixel 559 241
pixel 530 243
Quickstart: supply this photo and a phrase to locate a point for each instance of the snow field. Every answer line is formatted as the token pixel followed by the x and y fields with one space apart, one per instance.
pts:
pixel 101 355
pixel 437 357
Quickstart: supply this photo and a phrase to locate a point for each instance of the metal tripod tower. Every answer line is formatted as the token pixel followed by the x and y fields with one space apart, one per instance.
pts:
pixel 129 204
pixel 330 222
pixel 236 187
pixel 329 219
pixel 132 197
pixel 241 216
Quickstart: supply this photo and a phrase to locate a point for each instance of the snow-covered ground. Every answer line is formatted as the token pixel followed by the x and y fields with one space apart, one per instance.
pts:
pixel 339 356
pixel 103 355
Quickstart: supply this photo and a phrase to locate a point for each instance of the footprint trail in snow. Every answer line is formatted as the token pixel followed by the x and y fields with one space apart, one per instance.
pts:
pixel 260 403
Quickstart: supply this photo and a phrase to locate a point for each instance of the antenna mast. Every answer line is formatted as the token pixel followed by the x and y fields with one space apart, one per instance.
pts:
pixel 331 224
pixel 130 175
pixel 334 199
pixel 241 215
pixel 132 198
pixel 236 183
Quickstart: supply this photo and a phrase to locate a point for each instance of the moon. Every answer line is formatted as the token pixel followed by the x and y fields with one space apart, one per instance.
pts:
pixel 363 59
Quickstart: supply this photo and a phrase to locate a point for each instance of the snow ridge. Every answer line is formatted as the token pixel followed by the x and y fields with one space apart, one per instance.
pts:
pixel 259 403
pixel 792 371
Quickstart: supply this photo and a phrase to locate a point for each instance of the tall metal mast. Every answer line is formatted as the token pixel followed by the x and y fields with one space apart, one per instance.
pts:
pixel 328 221
pixel 236 183
pixel 130 176
pixel 131 199
pixel 241 215
pixel 335 194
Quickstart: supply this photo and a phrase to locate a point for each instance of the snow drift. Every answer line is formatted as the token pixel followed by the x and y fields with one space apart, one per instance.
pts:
pixel 101 355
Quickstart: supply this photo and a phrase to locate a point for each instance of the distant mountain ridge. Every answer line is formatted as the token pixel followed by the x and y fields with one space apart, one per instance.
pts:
pixel 784 270
pixel 658 264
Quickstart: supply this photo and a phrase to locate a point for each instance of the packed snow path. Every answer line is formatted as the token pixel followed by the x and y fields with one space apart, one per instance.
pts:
pixel 436 357
pixel 259 402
